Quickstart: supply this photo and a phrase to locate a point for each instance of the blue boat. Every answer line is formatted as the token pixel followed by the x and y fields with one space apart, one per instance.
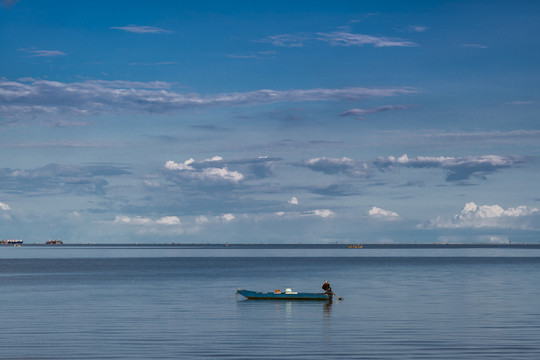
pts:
pixel 287 295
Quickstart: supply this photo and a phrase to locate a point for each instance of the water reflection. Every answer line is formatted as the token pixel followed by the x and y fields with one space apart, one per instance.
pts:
pixel 288 309
pixel 130 251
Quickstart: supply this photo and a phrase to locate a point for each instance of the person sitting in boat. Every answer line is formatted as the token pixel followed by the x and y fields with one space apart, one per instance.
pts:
pixel 328 290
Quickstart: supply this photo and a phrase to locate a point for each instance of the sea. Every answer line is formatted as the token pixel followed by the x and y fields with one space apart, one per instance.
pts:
pixel 180 302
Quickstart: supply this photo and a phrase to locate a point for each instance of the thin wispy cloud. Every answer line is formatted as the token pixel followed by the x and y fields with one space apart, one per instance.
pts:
pixel 336 38
pixel 8 3
pixel 475 46
pixel 92 97
pixel 360 113
pixel 339 38
pixel 520 102
pixel 458 168
pixel 60 179
pixel 254 55
pixel 43 53
pixel 138 29
pixel 153 64
pixel 417 28
pixel 287 40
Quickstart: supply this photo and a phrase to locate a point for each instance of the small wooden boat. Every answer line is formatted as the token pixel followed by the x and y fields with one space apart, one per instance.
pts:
pixel 287 295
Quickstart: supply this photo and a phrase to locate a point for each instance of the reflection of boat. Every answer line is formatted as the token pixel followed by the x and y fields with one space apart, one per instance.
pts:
pixel 14 242
pixel 355 246
pixel 54 242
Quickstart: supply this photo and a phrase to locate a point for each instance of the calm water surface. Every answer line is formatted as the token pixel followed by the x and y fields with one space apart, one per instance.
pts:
pixel 433 306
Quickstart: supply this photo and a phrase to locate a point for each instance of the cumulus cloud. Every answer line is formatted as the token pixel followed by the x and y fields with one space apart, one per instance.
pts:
pixel 378 213
pixel 228 217
pixel 4 206
pixel 293 201
pixel 458 168
pixel 138 29
pixel 344 166
pixel 360 113
pixel 214 174
pixel 31 97
pixel 489 216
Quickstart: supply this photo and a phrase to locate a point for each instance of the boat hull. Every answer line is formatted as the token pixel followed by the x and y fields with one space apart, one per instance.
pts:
pixel 256 295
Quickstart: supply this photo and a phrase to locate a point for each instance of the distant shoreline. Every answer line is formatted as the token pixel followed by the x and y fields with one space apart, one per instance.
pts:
pixel 296 246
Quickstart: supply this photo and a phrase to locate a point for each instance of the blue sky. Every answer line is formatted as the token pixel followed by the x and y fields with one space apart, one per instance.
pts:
pixel 273 122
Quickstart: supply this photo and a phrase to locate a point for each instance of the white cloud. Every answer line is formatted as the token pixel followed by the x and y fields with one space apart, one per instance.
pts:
pixel 228 217
pixel 4 206
pixel 138 29
pixel 344 166
pixel 189 169
pixel 488 216
pixel 379 213
pixel 324 213
pixel 171 165
pixel 293 201
pixel 169 220
pixel 200 220
pixel 139 220
pixel 221 174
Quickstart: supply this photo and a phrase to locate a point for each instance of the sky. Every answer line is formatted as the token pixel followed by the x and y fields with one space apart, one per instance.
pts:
pixel 270 121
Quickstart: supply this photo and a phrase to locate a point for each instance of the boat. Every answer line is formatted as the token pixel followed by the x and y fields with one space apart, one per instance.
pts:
pixel 54 242
pixel 14 242
pixel 357 246
pixel 286 295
